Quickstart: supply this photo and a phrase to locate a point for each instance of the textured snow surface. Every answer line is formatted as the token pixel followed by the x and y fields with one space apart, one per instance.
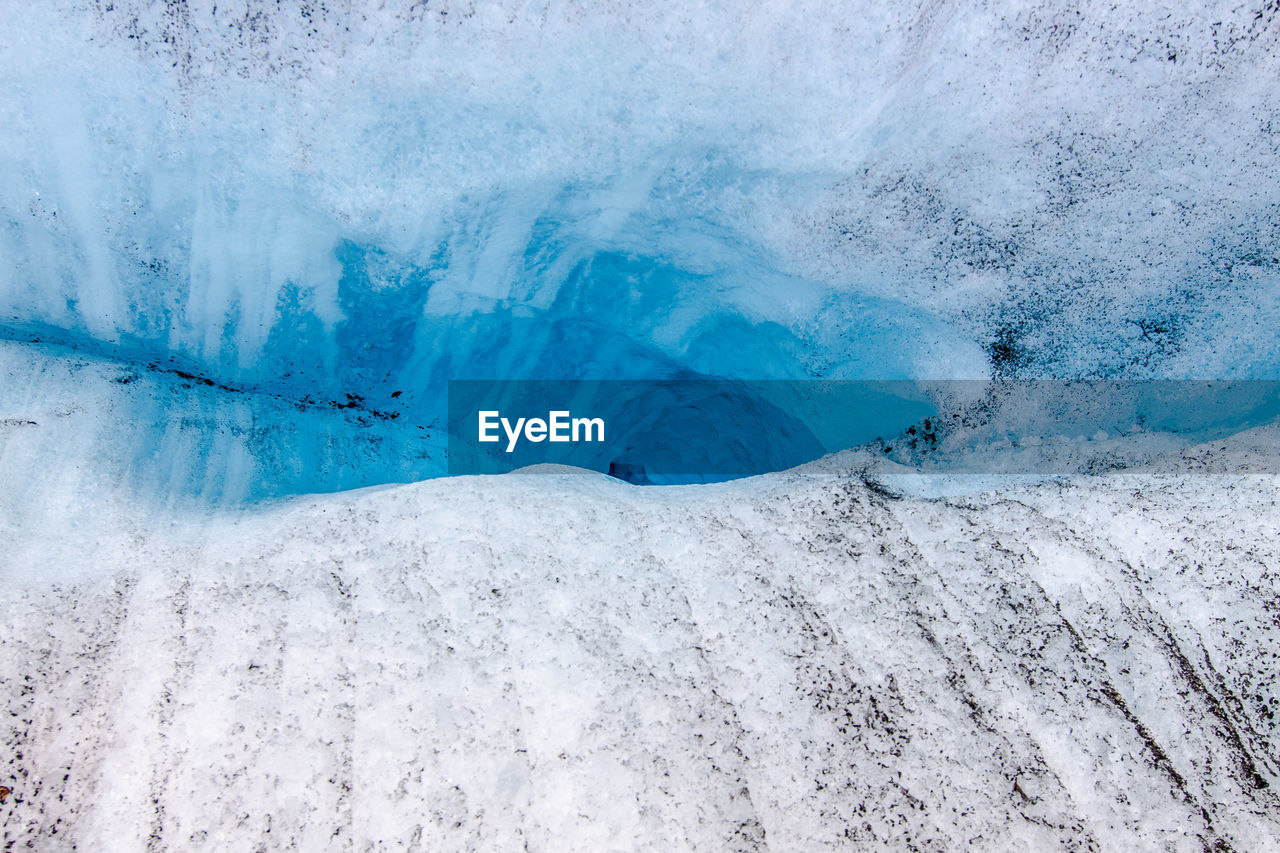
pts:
pixel 794 662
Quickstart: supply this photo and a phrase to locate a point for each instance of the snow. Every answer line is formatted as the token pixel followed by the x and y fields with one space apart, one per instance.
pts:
pixel 794 661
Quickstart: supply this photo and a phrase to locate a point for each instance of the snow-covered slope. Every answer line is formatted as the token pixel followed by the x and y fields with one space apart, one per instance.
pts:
pixel 800 661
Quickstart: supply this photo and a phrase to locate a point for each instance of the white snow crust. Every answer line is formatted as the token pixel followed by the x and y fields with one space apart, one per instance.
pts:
pixel 800 661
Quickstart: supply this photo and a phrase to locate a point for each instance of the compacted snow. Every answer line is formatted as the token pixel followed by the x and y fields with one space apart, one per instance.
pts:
pixel 567 662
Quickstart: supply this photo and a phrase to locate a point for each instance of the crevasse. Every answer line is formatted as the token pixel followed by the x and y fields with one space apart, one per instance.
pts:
pixel 328 215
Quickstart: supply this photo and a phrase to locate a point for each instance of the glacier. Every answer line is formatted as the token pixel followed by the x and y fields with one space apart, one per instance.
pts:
pixel 342 204
pixel 245 247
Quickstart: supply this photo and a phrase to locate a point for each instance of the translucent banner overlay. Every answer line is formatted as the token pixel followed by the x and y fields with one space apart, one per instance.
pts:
pixel 683 431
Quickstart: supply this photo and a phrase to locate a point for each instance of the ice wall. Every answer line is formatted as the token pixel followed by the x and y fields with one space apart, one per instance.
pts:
pixel 368 199
pixel 1071 188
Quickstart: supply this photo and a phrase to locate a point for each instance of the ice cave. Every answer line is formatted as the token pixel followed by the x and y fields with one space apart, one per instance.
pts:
pixel 943 341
